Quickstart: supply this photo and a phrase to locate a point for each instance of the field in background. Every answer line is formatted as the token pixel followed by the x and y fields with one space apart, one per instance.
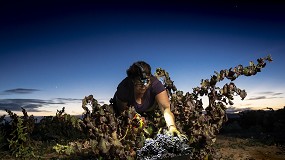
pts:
pixel 235 148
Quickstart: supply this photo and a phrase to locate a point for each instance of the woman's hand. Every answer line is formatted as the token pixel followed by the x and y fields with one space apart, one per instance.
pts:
pixel 174 132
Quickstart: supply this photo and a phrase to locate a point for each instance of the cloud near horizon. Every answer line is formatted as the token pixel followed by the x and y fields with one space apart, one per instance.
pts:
pixel 19 91
pixel 236 110
pixel 31 105
pixel 257 98
pixel 63 100
pixel 267 95
pixel 270 93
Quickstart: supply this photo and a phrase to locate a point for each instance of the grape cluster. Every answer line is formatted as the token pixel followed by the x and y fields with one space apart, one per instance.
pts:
pixel 164 146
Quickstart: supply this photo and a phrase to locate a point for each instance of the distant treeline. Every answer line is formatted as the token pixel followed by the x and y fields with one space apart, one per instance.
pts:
pixel 257 123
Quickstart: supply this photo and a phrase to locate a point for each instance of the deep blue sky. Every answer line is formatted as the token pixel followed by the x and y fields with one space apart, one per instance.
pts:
pixel 55 53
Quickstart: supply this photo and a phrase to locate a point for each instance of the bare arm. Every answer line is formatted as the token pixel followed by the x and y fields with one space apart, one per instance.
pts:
pixel 164 104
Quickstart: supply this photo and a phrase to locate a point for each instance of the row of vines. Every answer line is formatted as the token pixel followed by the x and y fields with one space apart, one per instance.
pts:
pixel 99 134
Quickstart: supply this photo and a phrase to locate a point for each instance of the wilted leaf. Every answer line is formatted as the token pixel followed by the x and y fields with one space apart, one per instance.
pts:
pixel 104 146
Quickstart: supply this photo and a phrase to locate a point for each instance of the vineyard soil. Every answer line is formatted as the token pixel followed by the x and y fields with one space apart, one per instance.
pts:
pixel 227 148
pixel 232 148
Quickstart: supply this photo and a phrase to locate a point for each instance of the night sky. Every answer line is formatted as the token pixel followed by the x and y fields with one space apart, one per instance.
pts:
pixel 55 53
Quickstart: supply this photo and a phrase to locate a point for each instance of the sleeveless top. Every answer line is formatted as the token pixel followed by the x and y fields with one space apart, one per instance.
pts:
pixel 125 93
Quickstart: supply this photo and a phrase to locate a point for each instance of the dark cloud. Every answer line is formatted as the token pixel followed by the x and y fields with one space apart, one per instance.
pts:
pixel 101 102
pixel 277 94
pixel 28 104
pixel 20 91
pixel 267 95
pixel 257 98
pixel 68 99
pixel 270 93
pixel 33 105
pixel 236 110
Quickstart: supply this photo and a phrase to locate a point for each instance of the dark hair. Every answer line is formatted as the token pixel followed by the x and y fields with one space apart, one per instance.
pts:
pixel 137 70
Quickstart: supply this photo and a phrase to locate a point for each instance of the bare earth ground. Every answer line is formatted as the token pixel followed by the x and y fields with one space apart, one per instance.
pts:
pixel 227 148
pixel 232 148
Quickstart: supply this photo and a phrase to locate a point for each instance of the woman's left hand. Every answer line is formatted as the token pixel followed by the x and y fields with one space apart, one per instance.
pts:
pixel 174 132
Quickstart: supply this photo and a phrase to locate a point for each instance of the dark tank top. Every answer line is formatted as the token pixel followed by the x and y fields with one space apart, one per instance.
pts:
pixel 125 93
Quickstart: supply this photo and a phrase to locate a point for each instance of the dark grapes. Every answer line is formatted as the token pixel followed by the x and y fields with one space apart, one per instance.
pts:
pixel 164 146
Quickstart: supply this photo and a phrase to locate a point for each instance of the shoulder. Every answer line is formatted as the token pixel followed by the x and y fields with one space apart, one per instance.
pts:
pixel 156 85
pixel 155 81
pixel 124 89
pixel 125 83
